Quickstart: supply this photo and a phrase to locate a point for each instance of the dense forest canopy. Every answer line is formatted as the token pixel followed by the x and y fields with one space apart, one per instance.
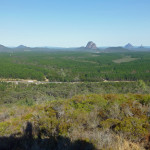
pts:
pixel 75 66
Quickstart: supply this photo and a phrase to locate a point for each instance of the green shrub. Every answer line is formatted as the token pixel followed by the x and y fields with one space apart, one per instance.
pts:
pixel 4 128
pixel 133 127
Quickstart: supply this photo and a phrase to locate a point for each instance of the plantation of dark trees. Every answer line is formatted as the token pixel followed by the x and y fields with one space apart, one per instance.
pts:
pixel 75 66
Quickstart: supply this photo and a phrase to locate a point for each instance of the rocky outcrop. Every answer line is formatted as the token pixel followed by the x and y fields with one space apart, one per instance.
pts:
pixel 91 45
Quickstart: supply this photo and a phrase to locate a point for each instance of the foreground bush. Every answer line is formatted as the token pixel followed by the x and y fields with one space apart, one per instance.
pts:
pixel 109 121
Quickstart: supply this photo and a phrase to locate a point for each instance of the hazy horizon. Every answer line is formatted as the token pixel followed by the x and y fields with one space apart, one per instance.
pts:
pixel 146 46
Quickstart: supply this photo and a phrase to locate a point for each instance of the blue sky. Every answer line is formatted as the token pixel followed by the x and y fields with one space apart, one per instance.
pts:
pixel 71 23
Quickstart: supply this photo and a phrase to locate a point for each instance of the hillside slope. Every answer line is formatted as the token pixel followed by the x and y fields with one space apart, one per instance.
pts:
pixel 110 121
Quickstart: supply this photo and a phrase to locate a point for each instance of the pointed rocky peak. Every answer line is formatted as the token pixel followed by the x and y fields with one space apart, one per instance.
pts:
pixel 91 45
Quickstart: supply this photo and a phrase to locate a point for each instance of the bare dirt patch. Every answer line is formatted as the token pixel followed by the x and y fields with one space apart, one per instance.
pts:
pixel 125 59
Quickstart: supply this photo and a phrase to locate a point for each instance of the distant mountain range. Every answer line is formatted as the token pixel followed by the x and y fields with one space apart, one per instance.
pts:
pixel 137 48
pixel 90 47
pixel 116 49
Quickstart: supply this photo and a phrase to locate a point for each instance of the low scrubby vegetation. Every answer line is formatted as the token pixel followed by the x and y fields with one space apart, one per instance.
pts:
pixel 68 116
pixel 89 121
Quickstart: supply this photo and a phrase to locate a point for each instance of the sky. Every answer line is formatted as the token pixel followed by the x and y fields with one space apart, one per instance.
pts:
pixel 72 23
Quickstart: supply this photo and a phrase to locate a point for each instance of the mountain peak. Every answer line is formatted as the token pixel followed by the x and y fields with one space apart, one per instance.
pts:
pixel 91 45
pixel 22 46
pixel 129 46
pixel 2 46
